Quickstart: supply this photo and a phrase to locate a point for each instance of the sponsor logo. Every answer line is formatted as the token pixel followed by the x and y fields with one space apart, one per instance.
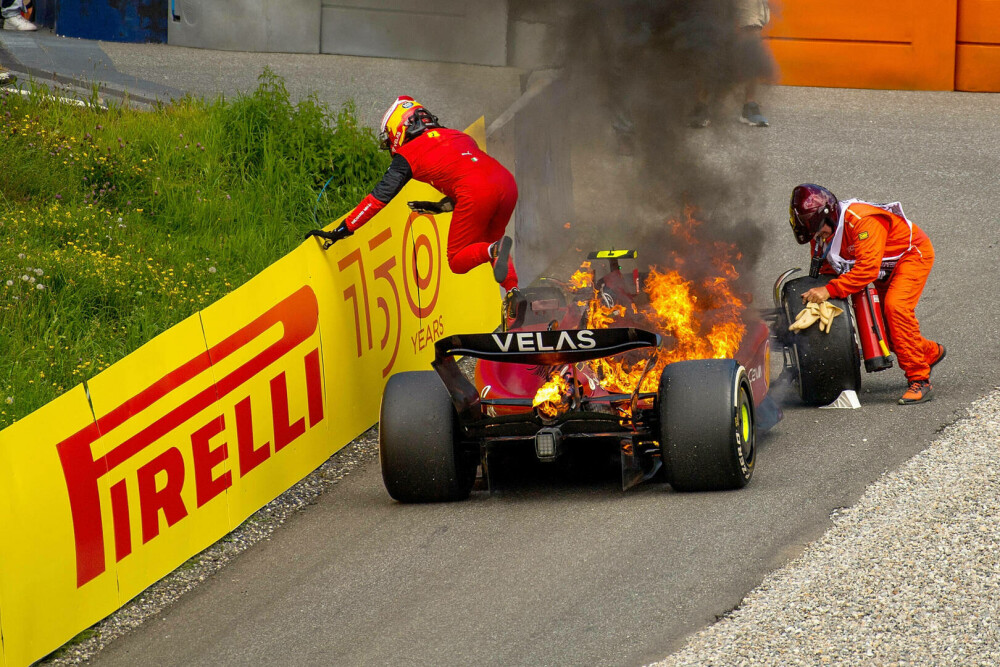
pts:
pixel 192 453
pixel 862 236
pixel 535 341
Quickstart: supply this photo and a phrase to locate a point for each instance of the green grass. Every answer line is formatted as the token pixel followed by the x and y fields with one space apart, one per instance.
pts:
pixel 116 224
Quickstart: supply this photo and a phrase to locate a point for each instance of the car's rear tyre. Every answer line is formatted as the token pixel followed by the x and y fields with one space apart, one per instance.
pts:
pixel 708 434
pixel 825 363
pixel 422 459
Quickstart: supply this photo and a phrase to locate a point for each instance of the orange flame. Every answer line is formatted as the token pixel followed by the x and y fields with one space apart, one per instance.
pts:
pixel 554 397
pixel 703 314
pixel 582 279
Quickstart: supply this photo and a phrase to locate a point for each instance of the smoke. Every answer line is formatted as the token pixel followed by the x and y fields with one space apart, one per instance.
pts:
pixel 632 73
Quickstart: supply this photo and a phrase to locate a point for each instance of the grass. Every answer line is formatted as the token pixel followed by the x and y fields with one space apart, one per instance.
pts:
pixel 116 224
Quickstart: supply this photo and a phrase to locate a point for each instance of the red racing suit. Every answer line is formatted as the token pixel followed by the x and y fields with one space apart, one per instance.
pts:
pixel 877 244
pixel 483 190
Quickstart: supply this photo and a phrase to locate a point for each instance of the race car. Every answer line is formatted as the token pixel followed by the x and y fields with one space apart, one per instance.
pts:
pixel 540 378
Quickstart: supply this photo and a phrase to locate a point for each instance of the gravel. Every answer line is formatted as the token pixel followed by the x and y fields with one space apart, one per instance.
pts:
pixel 258 527
pixel 910 575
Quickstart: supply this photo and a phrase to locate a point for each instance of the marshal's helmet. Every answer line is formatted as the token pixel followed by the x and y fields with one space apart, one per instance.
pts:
pixel 811 207
pixel 406 119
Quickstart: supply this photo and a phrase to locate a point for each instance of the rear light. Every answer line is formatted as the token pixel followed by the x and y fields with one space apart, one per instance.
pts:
pixel 547 444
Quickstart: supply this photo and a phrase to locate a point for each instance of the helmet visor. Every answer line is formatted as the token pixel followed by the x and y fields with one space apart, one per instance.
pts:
pixel 799 226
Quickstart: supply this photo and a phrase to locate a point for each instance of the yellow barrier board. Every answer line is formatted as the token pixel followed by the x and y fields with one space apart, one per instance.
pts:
pixel 181 441
pixel 42 605
pixel 152 409
pixel 271 423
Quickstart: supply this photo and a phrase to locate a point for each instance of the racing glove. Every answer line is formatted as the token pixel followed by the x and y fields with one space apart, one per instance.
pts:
pixel 807 317
pixel 821 312
pixel 341 232
pixel 827 311
pixel 446 205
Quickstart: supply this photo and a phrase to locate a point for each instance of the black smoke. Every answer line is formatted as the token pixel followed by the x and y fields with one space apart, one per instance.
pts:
pixel 631 75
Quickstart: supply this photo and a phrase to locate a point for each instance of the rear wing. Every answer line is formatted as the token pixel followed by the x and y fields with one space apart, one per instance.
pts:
pixel 546 348
pixel 542 348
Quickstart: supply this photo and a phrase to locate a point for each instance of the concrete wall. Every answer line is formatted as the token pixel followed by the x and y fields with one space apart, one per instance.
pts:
pixel 289 26
pixel 466 31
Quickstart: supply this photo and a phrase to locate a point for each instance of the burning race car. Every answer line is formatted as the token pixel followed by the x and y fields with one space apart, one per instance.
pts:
pixel 666 367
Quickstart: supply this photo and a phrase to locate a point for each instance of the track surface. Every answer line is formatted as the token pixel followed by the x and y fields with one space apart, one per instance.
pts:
pixel 563 568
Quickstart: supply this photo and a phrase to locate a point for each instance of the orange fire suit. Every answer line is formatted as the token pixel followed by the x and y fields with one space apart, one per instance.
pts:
pixel 871 235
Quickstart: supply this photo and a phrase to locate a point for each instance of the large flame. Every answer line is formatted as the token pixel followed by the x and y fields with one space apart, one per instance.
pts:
pixel 699 309
pixel 554 397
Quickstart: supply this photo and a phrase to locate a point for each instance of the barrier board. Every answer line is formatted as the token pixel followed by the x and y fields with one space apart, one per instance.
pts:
pixel 977 61
pixel 114 484
pixel 865 43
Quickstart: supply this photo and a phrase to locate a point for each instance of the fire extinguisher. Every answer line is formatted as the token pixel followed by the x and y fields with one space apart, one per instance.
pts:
pixel 868 316
pixel 871 329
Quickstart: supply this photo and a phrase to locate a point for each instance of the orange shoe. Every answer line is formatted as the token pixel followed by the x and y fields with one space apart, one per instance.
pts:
pixel 940 356
pixel 918 392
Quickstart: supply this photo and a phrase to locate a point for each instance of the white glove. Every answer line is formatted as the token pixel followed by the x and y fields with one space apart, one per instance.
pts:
pixel 827 311
pixel 806 317
pixel 813 312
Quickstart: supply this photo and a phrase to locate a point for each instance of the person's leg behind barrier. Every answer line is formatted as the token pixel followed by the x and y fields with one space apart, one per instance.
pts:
pixel 914 352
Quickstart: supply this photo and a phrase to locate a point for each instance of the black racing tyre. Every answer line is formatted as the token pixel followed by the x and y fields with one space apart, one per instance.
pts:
pixel 708 431
pixel 423 460
pixel 825 363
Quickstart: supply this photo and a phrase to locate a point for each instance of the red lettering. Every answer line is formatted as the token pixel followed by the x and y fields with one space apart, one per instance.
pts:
pixel 168 499
pixel 249 457
pixel 298 316
pixel 119 514
pixel 206 458
pixel 314 388
pixel 284 432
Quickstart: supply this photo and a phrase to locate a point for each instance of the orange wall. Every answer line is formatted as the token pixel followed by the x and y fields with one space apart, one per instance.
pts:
pixel 978 52
pixel 897 44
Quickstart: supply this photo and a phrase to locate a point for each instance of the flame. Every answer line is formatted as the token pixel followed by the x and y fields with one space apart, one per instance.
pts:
pixel 554 397
pixel 698 307
pixel 582 279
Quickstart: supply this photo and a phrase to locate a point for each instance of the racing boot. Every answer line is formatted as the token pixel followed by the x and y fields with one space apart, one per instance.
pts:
pixel 500 257
pixel 940 356
pixel 918 392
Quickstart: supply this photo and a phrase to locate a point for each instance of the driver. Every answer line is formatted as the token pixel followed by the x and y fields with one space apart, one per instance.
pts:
pixel 479 189
pixel 865 243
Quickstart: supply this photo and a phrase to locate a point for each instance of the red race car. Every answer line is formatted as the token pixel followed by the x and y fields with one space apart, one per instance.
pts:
pixel 550 376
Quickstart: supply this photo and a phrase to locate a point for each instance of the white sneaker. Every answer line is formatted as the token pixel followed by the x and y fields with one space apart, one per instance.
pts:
pixel 18 22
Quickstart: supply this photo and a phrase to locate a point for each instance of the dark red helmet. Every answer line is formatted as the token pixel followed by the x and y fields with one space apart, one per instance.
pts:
pixel 811 207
